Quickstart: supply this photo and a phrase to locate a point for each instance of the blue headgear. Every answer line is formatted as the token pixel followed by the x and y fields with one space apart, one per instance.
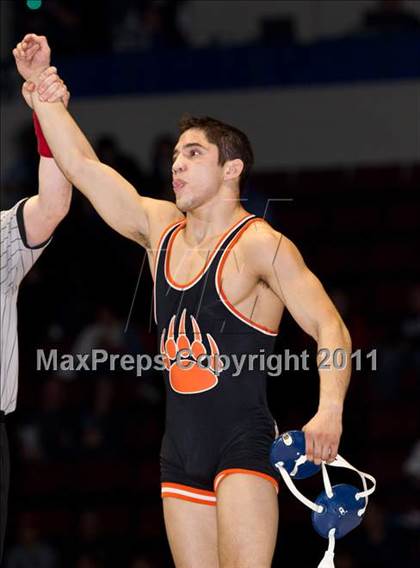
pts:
pixel 339 508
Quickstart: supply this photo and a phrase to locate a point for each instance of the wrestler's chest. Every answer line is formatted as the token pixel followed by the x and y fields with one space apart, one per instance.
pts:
pixel 231 268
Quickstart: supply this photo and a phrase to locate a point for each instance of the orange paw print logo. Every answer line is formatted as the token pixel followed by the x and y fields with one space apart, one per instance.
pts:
pixel 191 369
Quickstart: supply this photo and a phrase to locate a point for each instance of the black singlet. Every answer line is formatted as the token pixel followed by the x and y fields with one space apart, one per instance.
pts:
pixel 216 423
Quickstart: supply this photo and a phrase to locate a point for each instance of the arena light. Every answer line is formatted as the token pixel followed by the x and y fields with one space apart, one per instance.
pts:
pixel 34 4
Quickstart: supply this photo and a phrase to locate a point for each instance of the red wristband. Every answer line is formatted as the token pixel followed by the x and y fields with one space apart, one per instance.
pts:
pixel 43 148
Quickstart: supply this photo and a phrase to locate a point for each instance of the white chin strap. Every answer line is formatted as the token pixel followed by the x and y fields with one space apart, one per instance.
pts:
pixel 328 559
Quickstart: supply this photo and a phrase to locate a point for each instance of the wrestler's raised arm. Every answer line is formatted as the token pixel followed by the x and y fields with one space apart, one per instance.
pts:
pixel 114 198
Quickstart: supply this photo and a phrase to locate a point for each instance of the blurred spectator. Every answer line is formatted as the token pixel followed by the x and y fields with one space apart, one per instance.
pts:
pixel 355 319
pixel 146 534
pixel 409 522
pixel 377 542
pixel 106 332
pixel 141 562
pixel 29 438
pixel 110 153
pixel 21 177
pixel 411 466
pixel 86 561
pixel 99 433
pixel 161 174
pixel 345 559
pixel 277 31
pixel 391 16
pixel 91 543
pixel 65 25
pixel 56 424
pixel 410 327
pixel 31 551
pixel 147 25
pixel 131 33
pixel 71 27
pixel 399 350
pixel 391 351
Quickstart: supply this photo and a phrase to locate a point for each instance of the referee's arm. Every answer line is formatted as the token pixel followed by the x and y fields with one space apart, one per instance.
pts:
pixel 28 226
pixel 43 212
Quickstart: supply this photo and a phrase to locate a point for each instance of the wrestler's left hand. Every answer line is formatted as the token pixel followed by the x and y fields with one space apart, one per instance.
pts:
pixel 322 435
pixel 32 56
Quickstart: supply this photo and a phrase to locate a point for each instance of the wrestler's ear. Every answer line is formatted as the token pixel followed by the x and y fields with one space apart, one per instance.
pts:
pixel 233 169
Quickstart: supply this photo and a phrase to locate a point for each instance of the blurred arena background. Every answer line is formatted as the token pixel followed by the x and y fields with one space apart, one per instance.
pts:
pixel 328 92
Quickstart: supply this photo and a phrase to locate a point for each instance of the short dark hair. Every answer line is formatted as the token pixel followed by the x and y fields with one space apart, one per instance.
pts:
pixel 231 142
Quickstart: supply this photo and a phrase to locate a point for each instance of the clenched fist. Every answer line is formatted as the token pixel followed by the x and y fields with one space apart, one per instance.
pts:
pixel 32 56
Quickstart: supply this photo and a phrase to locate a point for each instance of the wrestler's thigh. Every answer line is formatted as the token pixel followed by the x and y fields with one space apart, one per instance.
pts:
pixel 192 533
pixel 247 520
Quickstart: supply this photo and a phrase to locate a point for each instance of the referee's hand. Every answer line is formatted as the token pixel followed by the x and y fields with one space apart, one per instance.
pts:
pixel 53 89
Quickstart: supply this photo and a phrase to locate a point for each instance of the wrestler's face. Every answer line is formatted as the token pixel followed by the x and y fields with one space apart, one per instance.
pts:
pixel 196 173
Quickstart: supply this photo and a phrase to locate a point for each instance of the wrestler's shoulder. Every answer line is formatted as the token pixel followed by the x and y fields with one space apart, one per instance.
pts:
pixel 260 235
pixel 161 215
pixel 162 209
pixel 260 244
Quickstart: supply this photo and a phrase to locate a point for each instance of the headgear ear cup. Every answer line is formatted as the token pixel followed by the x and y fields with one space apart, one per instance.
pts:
pixel 339 508
pixel 289 450
pixel 339 511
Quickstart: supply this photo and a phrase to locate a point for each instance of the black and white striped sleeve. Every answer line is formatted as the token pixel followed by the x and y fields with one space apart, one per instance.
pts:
pixel 17 257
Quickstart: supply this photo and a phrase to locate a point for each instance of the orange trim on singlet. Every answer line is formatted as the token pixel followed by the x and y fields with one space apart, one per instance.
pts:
pixel 188 488
pixel 191 494
pixel 220 476
pixel 162 235
pixel 219 282
pixel 190 499
pixel 208 261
